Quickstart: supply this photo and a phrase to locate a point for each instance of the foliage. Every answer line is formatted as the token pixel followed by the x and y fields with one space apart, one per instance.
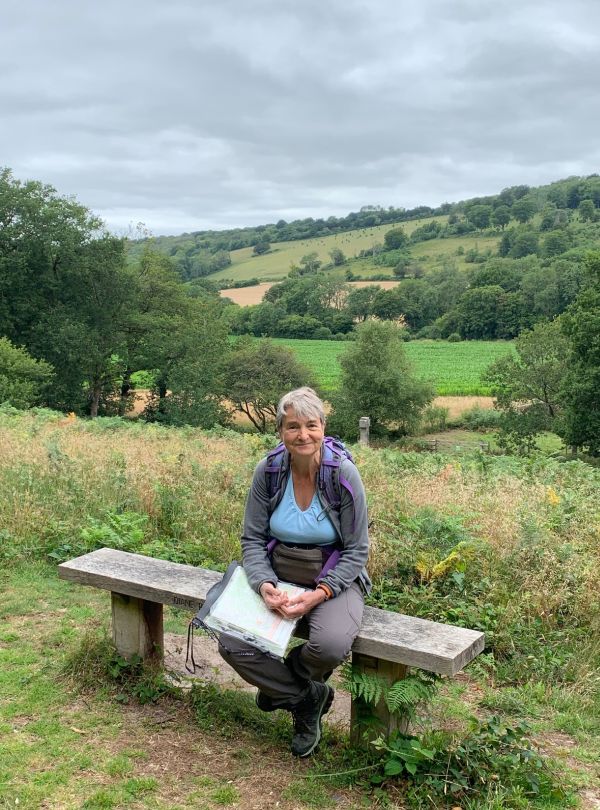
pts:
pixel 401 697
pixel 261 247
pixel 581 389
pixel 257 374
pixel 189 380
pixel 434 418
pixel 377 381
pixel 395 239
pixel 95 662
pixel 492 758
pixel 527 385
pixel 22 378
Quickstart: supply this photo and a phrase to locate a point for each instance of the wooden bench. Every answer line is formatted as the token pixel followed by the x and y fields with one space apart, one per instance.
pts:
pixel 387 645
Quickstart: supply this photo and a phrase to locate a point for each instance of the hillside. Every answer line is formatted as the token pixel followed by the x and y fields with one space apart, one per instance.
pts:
pixel 275 265
pixel 228 254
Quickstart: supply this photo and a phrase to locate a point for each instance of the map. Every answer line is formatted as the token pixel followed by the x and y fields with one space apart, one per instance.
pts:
pixel 242 613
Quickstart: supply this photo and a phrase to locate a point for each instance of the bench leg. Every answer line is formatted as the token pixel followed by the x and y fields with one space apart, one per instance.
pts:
pixel 137 627
pixel 362 728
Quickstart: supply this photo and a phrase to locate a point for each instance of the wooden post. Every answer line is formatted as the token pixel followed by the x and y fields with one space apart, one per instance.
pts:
pixel 364 423
pixel 137 627
pixel 367 721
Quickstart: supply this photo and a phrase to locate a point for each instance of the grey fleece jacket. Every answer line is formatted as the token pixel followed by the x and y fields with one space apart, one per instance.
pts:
pixel 350 522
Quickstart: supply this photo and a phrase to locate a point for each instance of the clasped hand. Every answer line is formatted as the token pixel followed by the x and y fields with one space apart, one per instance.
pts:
pixel 290 607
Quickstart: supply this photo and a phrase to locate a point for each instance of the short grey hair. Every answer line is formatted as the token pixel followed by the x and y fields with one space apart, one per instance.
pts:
pixel 304 401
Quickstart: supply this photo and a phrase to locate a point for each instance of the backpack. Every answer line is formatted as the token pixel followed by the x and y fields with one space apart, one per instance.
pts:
pixel 331 481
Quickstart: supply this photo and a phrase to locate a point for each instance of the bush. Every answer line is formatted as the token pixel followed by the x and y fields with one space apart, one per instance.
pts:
pixel 479 418
pixel 454 338
pixel 22 379
pixel 434 418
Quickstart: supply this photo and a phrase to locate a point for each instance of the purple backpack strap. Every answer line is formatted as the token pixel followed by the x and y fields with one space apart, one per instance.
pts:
pixel 331 561
pixel 273 469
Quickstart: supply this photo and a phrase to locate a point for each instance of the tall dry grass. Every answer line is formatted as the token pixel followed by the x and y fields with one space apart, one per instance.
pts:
pixel 508 545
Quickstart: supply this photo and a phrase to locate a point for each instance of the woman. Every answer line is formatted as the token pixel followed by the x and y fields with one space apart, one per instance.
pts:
pixel 308 528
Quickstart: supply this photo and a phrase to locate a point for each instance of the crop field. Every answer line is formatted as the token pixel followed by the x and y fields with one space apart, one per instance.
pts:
pixel 454 368
pixel 276 264
pixel 249 296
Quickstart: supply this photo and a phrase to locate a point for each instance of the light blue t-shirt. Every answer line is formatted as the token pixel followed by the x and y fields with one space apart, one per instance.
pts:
pixel 289 524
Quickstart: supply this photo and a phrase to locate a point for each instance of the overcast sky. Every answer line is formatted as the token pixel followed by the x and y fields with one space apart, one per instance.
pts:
pixel 187 114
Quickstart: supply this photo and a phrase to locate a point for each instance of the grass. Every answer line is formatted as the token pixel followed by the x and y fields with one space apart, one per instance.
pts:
pixel 454 368
pixel 67 741
pixel 275 265
pixel 506 545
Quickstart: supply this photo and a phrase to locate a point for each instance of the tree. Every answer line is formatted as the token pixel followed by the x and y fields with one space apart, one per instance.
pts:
pixel 501 216
pixel 310 263
pixel 527 385
pixel 395 239
pixel 377 381
pixel 261 247
pixel 480 216
pixel 22 378
pixel 581 387
pixel 523 209
pixel 479 312
pixel 359 303
pixel 587 211
pixel 257 374
pixel 549 216
pixel 502 272
pixel 266 318
pixel 66 292
pixel 337 257
pixel 555 242
pixel 524 244
pixel 189 383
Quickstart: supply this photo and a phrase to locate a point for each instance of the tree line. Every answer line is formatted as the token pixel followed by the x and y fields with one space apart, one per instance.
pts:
pixel 79 320
pixel 200 253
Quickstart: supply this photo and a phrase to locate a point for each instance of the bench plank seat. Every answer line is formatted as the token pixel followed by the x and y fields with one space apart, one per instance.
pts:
pixel 432 646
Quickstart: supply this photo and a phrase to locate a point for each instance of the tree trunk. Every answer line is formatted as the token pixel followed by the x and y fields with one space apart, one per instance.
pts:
pixel 125 390
pixel 95 399
pixel 162 395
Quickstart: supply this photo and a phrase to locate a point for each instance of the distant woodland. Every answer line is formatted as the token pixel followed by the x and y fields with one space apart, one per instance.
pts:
pixel 86 316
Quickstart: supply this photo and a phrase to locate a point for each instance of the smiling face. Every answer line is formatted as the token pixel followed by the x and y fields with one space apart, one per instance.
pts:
pixel 302 435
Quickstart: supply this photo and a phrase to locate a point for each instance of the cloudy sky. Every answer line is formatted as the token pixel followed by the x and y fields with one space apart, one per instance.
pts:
pixel 187 114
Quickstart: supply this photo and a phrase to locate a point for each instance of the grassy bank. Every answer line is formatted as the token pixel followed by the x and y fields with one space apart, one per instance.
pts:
pixel 507 546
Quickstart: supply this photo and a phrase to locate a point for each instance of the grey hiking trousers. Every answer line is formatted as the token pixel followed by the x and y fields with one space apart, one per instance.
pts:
pixel 333 625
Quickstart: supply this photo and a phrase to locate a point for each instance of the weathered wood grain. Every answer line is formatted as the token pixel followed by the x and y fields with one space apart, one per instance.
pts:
pixel 432 646
pixel 137 627
pixel 170 583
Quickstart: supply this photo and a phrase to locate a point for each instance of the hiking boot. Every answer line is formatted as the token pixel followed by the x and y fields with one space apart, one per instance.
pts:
pixel 264 702
pixel 307 718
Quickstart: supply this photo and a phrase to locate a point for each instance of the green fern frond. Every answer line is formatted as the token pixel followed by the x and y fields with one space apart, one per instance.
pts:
pixel 403 696
pixel 368 688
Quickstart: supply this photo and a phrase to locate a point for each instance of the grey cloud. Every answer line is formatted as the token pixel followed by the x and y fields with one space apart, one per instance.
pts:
pixel 196 115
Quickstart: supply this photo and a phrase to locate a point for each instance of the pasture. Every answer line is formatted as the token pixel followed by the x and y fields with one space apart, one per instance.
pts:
pixel 504 545
pixel 454 368
pixel 275 265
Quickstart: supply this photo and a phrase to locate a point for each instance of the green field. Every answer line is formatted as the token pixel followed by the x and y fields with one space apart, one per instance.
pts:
pixel 454 368
pixel 275 265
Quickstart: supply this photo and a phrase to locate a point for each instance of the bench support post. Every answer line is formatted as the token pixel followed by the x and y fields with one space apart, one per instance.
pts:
pixel 137 627
pixel 368 721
